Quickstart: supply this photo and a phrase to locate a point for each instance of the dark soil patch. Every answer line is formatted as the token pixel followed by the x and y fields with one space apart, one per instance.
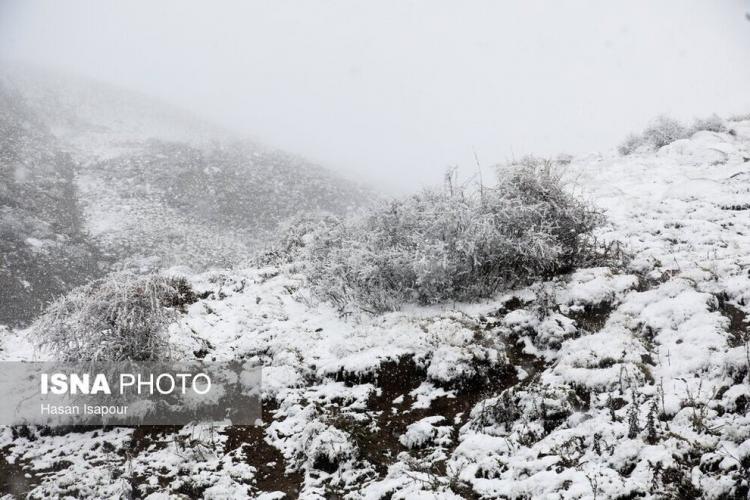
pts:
pixel 518 358
pixel 32 432
pixel 396 379
pixel 268 461
pixel 738 323
pixel 737 207
pixel 377 439
pixel 380 447
pixel 592 318
pixel 13 478
pixel 147 436
pixel 511 305
pixel 471 392
pixel 390 375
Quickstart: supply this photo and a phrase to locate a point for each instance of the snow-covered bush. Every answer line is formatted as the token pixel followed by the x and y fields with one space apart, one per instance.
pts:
pixel 292 236
pixel 451 245
pixel 326 446
pixel 120 317
pixel 713 123
pixel 631 143
pixel 663 131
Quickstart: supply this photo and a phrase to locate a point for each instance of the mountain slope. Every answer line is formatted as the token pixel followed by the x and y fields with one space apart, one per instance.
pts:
pixel 217 202
pixel 624 382
pixel 144 184
pixel 43 246
pixel 92 117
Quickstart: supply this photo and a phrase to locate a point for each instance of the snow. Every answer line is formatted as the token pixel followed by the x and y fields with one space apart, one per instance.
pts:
pixel 425 431
pixel 603 343
pixel 595 286
pixel 33 242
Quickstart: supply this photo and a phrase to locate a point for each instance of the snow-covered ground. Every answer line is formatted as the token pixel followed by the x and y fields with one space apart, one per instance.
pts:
pixel 606 383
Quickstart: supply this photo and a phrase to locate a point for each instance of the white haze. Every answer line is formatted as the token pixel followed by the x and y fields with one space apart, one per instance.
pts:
pixel 393 92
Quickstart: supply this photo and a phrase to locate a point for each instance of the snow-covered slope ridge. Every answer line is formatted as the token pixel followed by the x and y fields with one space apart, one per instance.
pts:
pixel 606 383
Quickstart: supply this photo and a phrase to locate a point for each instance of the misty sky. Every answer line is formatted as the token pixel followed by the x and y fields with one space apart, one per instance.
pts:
pixel 395 91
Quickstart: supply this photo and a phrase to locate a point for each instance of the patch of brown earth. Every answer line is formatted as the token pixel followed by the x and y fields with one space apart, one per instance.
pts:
pixel 592 318
pixel 268 461
pixel 739 329
pixel 14 480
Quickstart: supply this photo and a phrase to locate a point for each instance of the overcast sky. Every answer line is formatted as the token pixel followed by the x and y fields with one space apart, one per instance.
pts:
pixel 396 91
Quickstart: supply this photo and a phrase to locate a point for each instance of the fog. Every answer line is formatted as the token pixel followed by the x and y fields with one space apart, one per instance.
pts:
pixel 393 92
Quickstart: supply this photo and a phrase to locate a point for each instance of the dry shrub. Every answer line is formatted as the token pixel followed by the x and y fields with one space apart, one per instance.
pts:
pixel 664 130
pixel 455 244
pixel 120 317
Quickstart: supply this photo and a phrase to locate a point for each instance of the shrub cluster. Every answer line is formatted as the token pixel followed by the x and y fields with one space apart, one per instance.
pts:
pixel 120 317
pixel 456 244
pixel 664 130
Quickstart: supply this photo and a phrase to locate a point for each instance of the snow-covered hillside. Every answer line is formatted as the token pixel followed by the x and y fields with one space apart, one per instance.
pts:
pixel 96 118
pixel 44 251
pixel 620 382
pixel 145 185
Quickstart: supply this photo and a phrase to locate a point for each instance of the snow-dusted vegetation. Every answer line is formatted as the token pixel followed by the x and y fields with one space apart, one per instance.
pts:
pixel 121 317
pixel 576 330
pixel 665 130
pixel 449 244
pixel 96 179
